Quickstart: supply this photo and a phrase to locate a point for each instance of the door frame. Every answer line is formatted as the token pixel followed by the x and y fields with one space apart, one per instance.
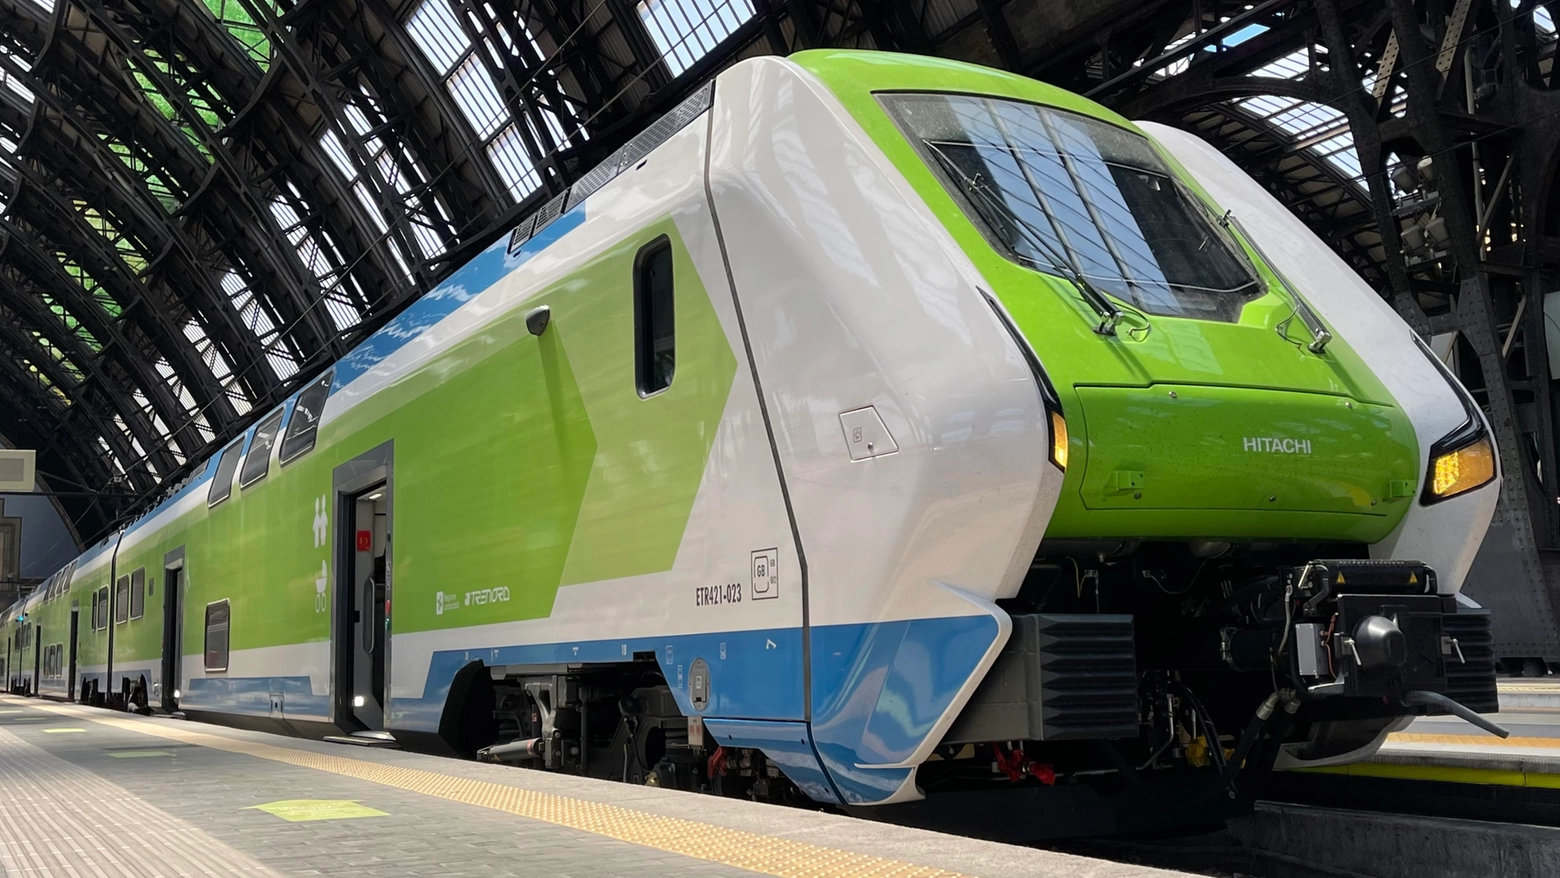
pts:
pixel 349 481
pixel 75 628
pixel 173 628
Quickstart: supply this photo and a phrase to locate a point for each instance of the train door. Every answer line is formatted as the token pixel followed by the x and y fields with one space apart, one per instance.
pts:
pixel 75 626
pixel 361 608
pixel 37 642
pixel 173 629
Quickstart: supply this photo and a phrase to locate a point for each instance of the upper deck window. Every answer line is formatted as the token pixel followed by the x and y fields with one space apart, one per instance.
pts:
pixel 305 422
pixel 258 462
pixel 222 481
pixel 1080 198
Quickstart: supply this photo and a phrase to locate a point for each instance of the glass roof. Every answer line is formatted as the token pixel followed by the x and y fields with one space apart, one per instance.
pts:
pixel 686 30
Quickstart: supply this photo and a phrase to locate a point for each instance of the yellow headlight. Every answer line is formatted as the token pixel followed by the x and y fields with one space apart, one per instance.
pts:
pixel 1463 470
pixel 1058 440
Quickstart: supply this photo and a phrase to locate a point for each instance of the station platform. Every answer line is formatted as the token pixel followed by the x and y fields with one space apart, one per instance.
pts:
pixel 89 792
pixel 1447 749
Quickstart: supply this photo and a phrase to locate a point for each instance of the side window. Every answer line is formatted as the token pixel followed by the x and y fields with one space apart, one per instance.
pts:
pixel 306 418
pixel 222 482
pixel 258 461
pixel 121 599
pixel 217 617
pixel 655 332
pixel 102 608
pixel 138 593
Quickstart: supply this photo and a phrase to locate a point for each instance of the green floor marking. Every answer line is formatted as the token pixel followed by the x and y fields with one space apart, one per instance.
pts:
pixel 300 810
pixel 138 754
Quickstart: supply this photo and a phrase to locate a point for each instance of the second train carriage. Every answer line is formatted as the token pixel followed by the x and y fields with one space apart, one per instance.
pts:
pixel 867 409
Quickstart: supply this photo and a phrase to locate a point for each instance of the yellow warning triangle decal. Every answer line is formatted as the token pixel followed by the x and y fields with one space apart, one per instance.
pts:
pixel 1340 579
pixel 1413 579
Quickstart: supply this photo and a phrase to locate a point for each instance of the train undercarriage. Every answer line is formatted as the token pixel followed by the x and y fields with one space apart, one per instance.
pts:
pixel 1185 671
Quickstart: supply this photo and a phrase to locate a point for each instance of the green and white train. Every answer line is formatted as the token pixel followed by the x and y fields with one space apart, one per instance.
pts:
pixel 871 425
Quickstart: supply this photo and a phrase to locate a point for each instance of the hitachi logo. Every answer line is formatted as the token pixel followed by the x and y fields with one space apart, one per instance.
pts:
pixel 1275 445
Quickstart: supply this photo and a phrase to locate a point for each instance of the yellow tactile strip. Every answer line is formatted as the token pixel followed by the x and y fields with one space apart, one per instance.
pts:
pixel 784 858
pixel 1473 740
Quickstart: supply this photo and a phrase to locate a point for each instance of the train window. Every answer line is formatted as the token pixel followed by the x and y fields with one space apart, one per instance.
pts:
pixel 138 593
pixel 655 331
pixel 217 617
pixel 222 482
pixel 121 599
pixel 305 421
pixel 1081 199
pixel 258 461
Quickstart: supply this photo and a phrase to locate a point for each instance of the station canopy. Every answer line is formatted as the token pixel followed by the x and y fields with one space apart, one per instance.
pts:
pixel 203 203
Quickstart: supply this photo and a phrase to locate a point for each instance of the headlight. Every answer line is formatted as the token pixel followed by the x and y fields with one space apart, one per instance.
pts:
pixel 1048 397
pixel 1058 439
pixel 1463 459
pixel 1463 469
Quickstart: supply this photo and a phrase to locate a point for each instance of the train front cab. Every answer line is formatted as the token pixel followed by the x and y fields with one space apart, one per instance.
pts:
pixel 1186 627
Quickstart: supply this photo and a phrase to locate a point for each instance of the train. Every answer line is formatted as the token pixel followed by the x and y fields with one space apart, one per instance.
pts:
pixel 870 428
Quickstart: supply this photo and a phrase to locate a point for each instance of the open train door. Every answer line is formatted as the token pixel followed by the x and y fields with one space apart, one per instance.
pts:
pixel 173 629
pixel 360 611
pixel 75 627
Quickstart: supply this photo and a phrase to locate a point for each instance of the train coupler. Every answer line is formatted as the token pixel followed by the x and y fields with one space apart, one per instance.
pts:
pixel 1381 629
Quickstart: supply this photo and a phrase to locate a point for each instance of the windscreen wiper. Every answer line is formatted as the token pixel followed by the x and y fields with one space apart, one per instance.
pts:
pixel 1320 337
pixel 1056 263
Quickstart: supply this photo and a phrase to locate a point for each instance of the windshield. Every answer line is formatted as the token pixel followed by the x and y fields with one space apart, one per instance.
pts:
pixel 1081 198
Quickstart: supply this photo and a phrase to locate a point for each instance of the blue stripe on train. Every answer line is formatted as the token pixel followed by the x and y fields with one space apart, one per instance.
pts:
pixel 878 689
pixel 252 696
pixel 488 268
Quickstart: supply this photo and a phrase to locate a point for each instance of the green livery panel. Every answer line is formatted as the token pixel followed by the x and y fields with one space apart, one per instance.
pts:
pixel 1250 377
pixel 521 463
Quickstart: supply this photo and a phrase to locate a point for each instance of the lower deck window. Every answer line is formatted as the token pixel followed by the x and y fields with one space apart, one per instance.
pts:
pixel 217 618
pixel 138 593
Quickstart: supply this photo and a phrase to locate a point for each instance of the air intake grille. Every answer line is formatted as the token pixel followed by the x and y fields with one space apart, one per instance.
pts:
pixel 1471 682
pixel 1088 677
pixel 1059 678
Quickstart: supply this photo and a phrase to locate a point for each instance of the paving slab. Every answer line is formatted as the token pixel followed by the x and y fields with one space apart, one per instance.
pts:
pixel 152 796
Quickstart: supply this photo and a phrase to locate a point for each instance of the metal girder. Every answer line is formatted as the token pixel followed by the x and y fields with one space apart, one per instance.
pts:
pixel 139 333
pixel 229 167
pixel 120 350
pixel 85 400
pixel 101 422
